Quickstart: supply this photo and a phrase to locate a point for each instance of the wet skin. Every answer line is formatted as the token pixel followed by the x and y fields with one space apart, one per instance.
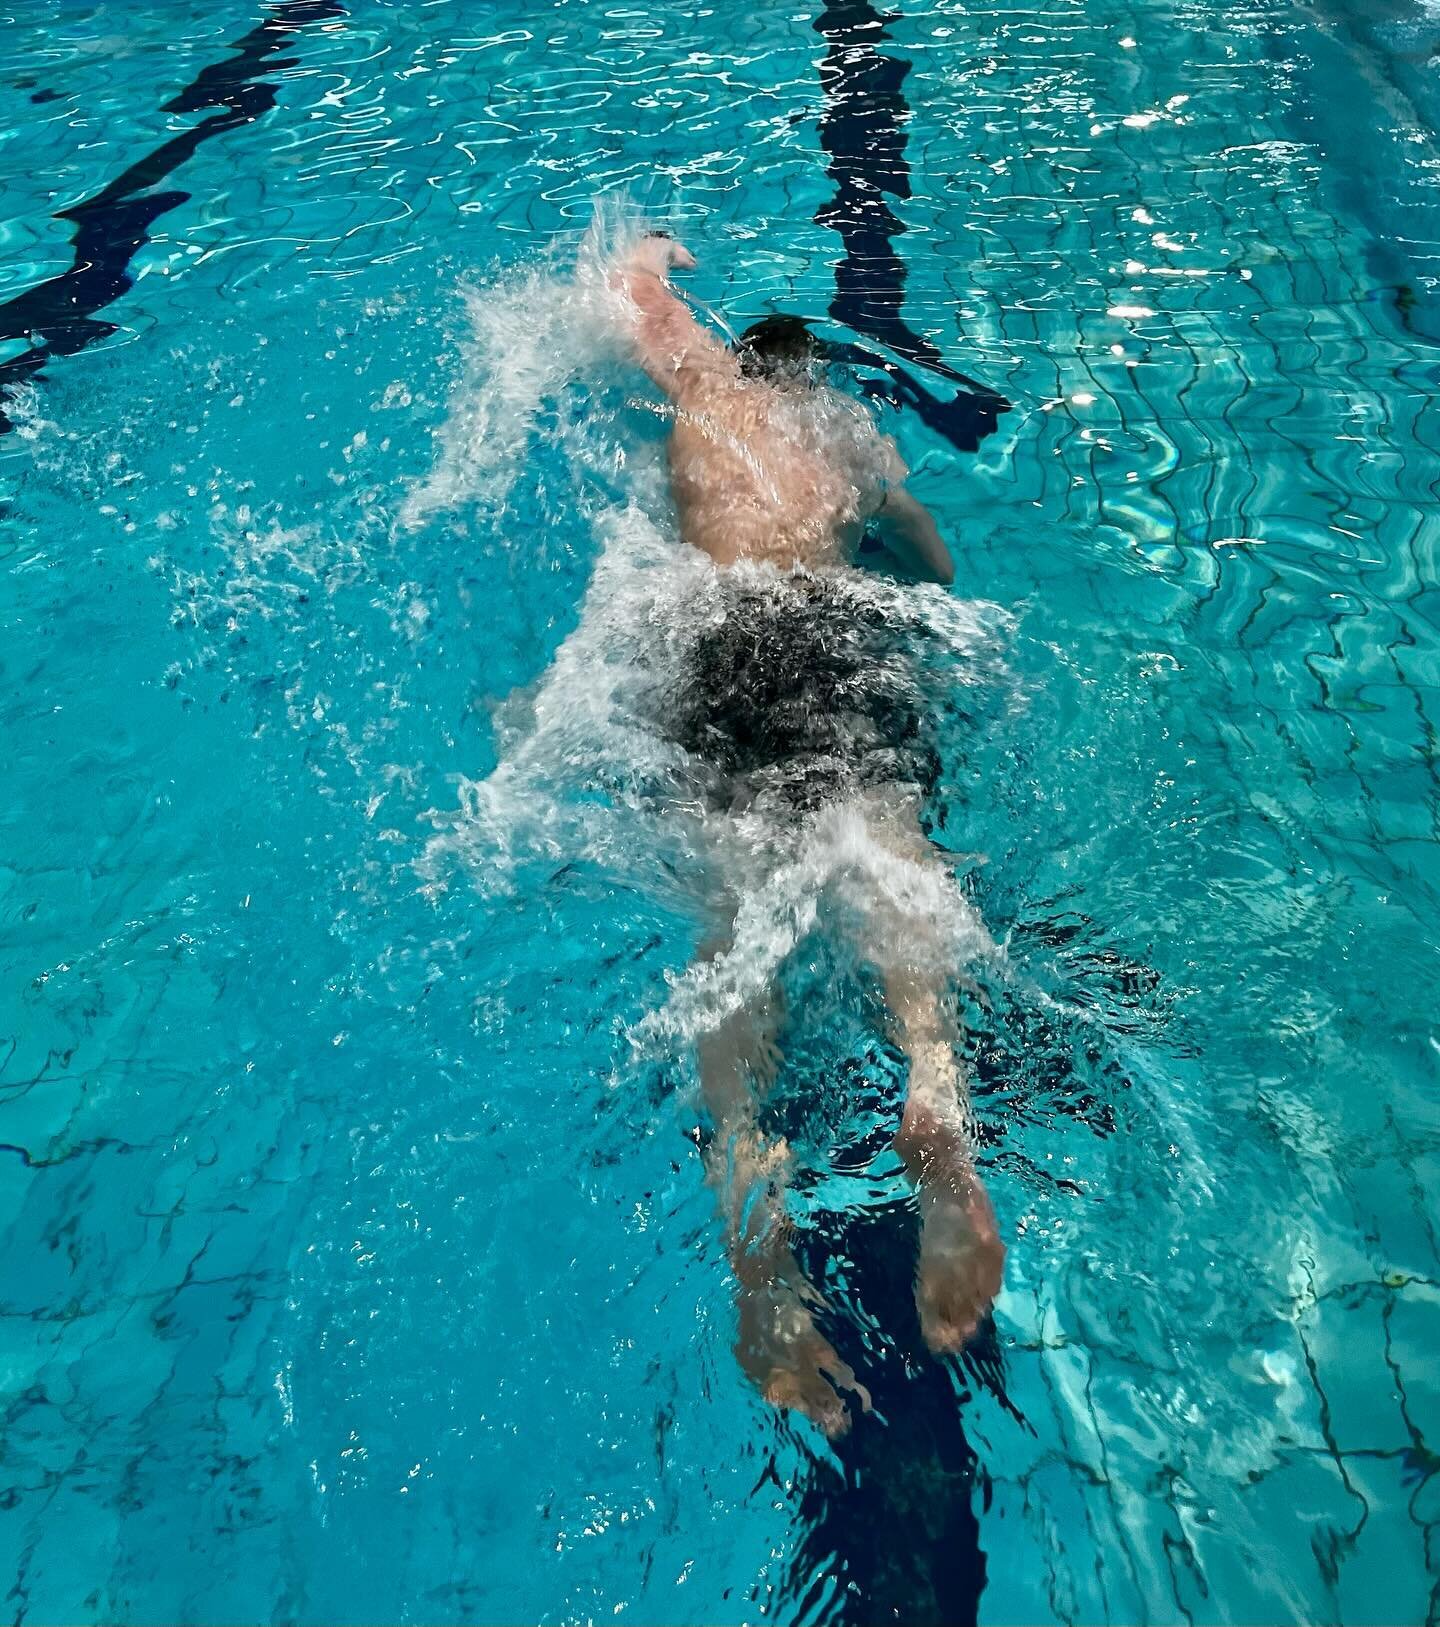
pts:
pixel 777 474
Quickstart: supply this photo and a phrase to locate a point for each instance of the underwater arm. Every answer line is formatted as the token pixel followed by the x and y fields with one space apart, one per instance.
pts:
pixel 909 532
pixel 671 344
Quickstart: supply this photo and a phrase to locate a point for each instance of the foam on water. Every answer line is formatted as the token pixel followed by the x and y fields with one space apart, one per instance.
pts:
pixel 890 906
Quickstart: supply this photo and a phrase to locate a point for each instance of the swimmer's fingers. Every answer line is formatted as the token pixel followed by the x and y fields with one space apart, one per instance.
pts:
pixel 662 253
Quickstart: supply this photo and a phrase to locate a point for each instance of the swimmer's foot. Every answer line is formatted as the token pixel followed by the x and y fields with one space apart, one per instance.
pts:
pixel 961 1260
pixel 791 1362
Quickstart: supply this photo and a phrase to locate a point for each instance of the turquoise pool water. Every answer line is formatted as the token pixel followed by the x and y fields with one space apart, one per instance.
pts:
pixel 358 1265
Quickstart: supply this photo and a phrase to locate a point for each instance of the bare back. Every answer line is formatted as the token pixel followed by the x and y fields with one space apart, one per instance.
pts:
pixel 786 474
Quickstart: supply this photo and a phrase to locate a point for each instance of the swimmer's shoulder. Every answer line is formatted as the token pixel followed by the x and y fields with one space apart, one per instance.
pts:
pixel 710 383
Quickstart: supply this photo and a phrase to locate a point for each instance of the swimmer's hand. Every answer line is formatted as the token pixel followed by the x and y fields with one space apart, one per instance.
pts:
pixel 905 529
pixel 669 343
pixel 659 254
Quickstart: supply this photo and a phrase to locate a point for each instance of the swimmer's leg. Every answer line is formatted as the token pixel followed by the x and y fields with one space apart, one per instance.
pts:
pixel 791 1362
pixel 961 1256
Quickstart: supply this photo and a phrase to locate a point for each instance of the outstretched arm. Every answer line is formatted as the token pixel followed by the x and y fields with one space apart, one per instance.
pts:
pixel 671 344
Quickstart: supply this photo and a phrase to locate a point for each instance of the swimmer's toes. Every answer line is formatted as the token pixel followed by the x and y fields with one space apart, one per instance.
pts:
pixel 792 1363
pixel 946 1335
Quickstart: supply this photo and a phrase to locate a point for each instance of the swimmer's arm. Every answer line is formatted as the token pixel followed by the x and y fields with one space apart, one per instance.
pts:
pixel 906 528
pixel 909 532
pixel 672 346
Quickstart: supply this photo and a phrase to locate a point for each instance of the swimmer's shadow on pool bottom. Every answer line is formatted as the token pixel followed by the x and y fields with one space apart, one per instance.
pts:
pixel 895 1536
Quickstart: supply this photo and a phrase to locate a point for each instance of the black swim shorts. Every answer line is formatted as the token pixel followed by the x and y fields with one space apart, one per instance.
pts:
pixel 802 689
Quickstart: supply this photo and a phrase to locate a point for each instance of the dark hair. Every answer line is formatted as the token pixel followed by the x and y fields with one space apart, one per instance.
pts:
pixel 779 347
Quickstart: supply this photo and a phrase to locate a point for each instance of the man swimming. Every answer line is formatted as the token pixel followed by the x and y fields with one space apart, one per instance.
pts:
pixel 797 700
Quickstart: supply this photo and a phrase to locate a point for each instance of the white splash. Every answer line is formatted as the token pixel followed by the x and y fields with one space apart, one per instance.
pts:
pixel 528 333
pixel 855 862
pixel 587 771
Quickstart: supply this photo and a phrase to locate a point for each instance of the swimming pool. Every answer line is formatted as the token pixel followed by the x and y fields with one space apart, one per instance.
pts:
pixel 358 1262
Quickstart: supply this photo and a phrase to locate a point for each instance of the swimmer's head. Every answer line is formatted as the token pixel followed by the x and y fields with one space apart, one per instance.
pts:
pixel 781 350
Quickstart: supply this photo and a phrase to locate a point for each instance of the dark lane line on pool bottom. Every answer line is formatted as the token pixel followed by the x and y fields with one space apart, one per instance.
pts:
pixel 862 129
pixel 896 1535
pixel 57 317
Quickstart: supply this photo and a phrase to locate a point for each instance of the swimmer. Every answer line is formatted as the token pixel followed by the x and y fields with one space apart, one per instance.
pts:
pixel 744 487
pixel 793 704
